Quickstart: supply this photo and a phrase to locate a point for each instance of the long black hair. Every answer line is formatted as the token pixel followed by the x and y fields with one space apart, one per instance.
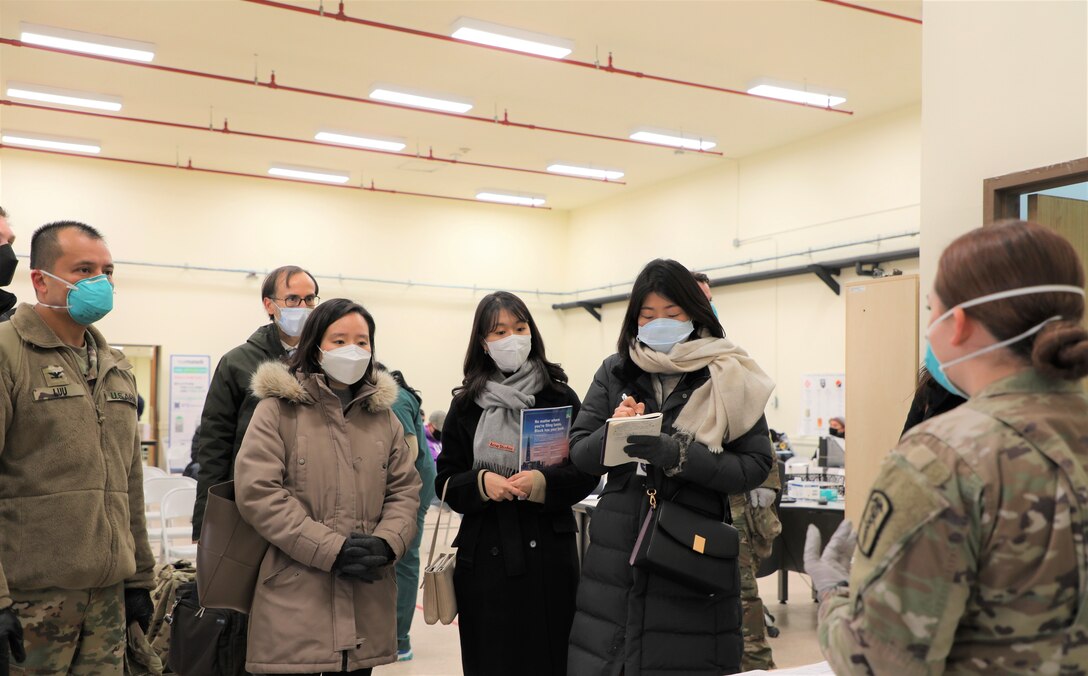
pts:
pixel 307 357
pixel 479 367
pixel 673 281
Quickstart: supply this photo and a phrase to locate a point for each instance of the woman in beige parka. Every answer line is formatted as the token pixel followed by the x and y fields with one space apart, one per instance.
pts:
pixel 325 476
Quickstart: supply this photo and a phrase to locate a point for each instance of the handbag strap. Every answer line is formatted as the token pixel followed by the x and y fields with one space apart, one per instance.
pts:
pixel 438 523
pixel 651 492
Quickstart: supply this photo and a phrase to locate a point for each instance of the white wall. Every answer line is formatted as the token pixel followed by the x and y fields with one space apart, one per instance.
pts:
pixel 844 186
pixel 1004 89
pixel 170 216
pixel 853 184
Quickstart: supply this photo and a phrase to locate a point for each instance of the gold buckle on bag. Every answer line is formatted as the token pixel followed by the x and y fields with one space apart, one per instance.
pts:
pixel 700 543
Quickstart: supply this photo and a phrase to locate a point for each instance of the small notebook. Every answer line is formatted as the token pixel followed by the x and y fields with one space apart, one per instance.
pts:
pixel 617 431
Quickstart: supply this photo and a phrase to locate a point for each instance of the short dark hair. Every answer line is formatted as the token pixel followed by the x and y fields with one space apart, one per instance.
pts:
pixel 701 277
pixel 307 357
pixel 479 367
pixel 45 246
pixel 268 287
pixel 671 280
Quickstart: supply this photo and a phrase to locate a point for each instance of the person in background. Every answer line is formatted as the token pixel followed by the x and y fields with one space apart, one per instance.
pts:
pixel 517 562
pixel 75 564
pixel 756 520
pixel 192 470
pixel 325 476
pixel 8 263
pixel 971 556
pixel 289 295
pixel 407 410
pixel 435 421
pixel 703 281
pixel 930 400
pixel 836 427
pixel 672 356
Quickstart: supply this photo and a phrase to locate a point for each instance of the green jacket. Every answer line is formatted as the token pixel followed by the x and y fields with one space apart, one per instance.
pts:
pixel 71 477
pixel 227 411
pixel 407 410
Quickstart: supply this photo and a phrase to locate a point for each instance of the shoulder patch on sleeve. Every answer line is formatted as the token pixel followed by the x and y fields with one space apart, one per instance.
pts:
pixel 877 512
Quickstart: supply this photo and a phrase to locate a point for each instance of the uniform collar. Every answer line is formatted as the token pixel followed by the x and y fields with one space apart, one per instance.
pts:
pixel 1027 381
pixel 35 331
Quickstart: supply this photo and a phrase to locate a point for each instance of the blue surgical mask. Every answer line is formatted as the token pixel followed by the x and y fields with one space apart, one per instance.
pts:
pixel 663 334
pixel 938 369
pixel 89 299
pixel 292 319
pixel 714 309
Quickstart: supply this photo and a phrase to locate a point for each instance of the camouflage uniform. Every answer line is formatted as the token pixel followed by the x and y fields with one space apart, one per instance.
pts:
pixel 971 552
pixel 758 527
pixel 72 632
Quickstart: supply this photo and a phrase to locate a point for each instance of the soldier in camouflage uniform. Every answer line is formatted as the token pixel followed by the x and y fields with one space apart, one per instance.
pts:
pixel 757 524
pixel 971 554
pixel 75 563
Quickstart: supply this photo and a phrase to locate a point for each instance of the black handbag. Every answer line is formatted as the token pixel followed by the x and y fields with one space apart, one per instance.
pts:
pixel 688 547
pixel 205 641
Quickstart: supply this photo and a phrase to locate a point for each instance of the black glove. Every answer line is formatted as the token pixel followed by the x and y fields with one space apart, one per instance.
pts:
pixel 138 608
pixel 362 556
pixel 660 450
pixel 11 639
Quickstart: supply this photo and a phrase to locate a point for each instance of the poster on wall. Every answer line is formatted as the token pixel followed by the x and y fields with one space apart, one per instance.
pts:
pixel 190 375
pixel 823 396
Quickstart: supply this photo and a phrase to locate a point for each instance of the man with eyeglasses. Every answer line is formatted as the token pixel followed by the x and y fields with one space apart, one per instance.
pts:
pixel 289 293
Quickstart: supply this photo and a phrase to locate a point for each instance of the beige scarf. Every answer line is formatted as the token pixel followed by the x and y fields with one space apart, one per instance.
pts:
pixel 724 407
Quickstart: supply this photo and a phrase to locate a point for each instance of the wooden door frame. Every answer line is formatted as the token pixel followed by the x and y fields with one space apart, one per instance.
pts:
pixel 1001 194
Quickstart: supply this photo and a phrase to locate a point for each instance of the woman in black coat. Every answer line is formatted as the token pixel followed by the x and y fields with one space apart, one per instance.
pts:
pixel 673 358
pixel 517 564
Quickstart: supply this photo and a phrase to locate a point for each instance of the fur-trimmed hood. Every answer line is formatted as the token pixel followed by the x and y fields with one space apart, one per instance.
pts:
pixel 272 380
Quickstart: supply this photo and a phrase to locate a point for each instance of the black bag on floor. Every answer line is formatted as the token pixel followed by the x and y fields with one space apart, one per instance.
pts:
pixel 205 641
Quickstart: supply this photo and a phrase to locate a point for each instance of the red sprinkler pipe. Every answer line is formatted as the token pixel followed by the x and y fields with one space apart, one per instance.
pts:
pixel 226 129
pixel 871 10
pixel 610 68
pixel 272 84
pixel 223 172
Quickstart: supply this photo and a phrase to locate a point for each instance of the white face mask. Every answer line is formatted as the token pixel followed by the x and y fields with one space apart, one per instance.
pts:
pixel 510 353
pixel 292 319
pixel 345 364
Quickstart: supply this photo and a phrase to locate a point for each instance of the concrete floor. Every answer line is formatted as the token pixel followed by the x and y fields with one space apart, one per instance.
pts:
pixel 438 653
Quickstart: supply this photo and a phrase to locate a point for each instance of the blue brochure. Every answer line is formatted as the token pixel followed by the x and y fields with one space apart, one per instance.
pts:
pixel 545 437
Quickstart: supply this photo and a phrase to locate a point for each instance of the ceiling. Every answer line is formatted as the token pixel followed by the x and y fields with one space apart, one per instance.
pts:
pixel 874 59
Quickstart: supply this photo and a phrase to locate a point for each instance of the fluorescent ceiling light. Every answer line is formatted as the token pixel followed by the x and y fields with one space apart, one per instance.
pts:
pixel 674 139
pixel 64 97
pixel 510 198
pixel 796 93
pixel 474 30
pixel 372 142
pixel 450 105
pixel 309 173
pixel 586 172
pixel 88 43
pixel 65 143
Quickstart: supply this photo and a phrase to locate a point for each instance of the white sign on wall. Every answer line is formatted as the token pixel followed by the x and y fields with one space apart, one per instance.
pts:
pixel 190 375
pixel 823 396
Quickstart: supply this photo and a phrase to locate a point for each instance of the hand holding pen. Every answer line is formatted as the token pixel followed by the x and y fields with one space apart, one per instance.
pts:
pixel 628 407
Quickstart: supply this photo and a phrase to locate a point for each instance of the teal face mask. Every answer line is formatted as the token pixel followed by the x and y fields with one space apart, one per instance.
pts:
pixel 89 299
pixel 937 369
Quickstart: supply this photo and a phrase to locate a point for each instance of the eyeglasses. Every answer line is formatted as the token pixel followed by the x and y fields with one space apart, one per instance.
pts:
pixel 295 301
